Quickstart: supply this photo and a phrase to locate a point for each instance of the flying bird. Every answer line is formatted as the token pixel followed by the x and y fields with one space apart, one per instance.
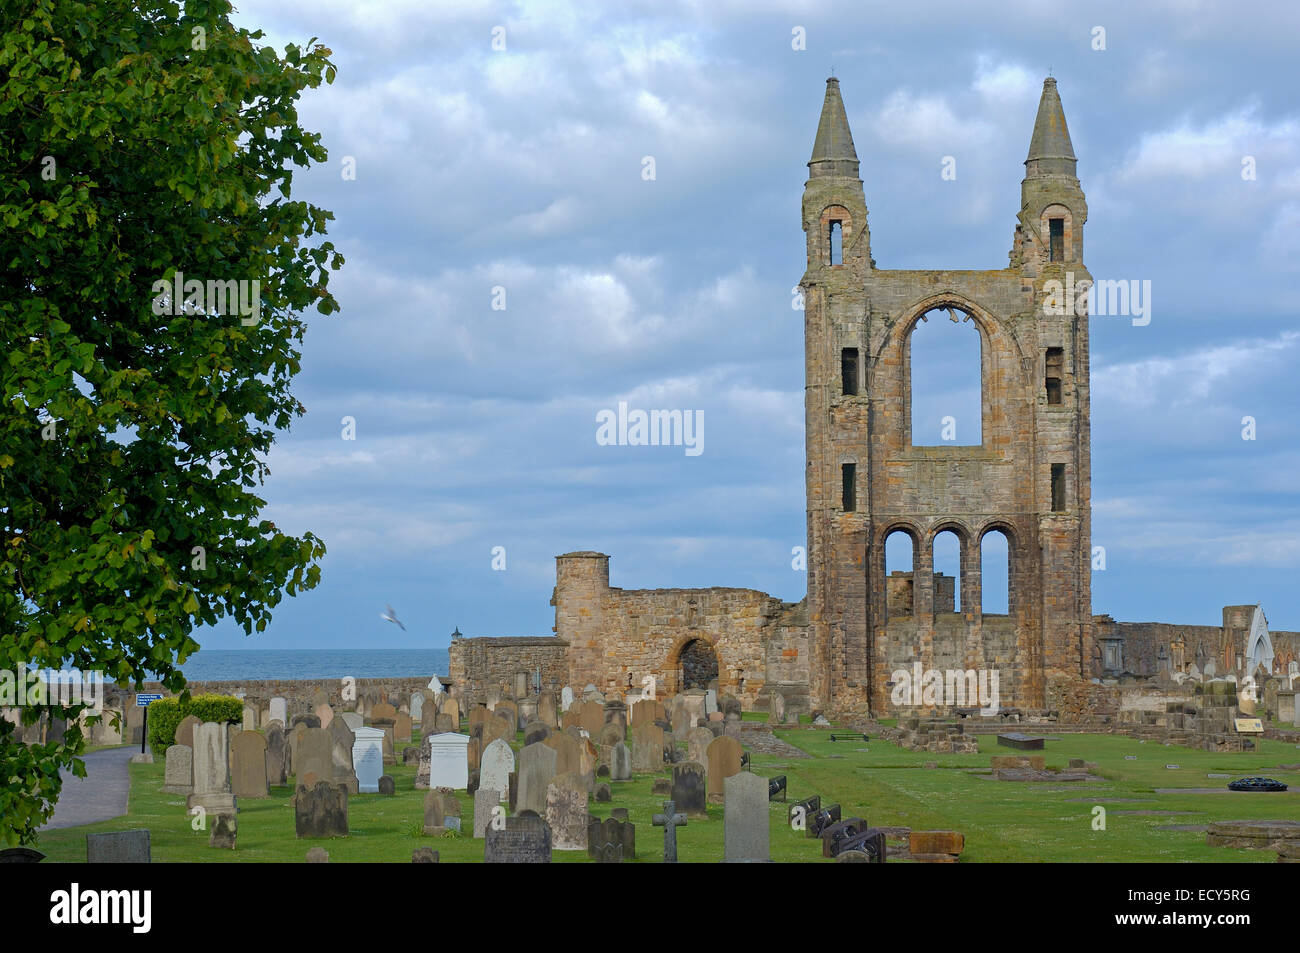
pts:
pixel 391 616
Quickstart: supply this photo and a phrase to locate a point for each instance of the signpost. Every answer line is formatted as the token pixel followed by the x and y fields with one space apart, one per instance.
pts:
pixel 144 700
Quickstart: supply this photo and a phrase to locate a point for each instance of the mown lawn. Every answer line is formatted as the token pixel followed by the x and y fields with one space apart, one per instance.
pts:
pixel 1002 821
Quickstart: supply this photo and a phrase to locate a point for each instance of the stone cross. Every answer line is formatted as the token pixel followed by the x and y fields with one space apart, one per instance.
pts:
pixel 669 821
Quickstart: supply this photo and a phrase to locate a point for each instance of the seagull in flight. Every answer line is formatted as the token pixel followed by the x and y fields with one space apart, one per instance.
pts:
pixel 391 616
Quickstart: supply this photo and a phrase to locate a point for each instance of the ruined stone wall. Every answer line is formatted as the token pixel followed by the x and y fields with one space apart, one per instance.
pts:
pixel 618 637
pixel 477 665
pixel 1003 484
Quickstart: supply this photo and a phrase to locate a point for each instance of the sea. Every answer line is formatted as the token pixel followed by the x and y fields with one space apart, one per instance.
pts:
pixel 228 665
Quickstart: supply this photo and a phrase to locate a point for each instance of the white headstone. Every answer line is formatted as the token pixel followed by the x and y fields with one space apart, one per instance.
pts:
pixel 368 758
pixel 417 707
pixel 352 719
pixel 566 698
pixel 436 685
pixel 710 702
pixel 448 765
pixel 280 711
pixel 495 767
pixel 1211 669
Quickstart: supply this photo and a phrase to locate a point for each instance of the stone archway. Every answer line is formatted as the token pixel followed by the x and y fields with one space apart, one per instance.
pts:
pixel 697 664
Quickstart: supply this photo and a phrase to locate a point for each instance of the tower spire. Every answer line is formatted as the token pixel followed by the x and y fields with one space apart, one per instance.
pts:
pixel 833 152
pixel 1050 151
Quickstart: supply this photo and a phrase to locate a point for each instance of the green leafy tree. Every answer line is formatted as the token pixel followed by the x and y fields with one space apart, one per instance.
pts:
pixel 140 139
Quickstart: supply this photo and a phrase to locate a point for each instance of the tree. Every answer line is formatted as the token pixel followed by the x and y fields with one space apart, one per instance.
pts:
pixel 146 148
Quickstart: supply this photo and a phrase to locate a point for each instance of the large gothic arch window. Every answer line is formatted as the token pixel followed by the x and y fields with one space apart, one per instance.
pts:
pixel 945 380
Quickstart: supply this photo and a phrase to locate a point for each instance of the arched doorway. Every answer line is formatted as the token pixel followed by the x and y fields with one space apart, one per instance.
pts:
pixel 697 664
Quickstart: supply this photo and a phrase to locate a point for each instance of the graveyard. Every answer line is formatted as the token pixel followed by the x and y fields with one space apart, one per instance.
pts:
pixel 1073 797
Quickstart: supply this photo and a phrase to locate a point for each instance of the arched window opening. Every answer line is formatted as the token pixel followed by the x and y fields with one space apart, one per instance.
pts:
pixel 947 572
pixel 946 381
pixel 995 573
pixel 698 663
pixel 900 595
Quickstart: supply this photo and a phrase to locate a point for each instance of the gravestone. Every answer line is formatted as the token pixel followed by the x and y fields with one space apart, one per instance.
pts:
pixel 620 763
pixel 250 718
pixel 566 812
pixel 524 840
pixel 387 785
pixel 494 770
pixel 211 770
pixel 416 706
pixel 669 820
pixel 689 789
pixel 697 744
pixel 367 759
pixel 402 727
pixel 224 831
pixel 521 684
pixel 566 698
pixel 448 761
pixel 592 719
pixel 280 710
pixel 485 800
pixel 118 847
pixel 548 710
pixel 610 735
pixel 326 715
pixel 435 812
pixel 611 840
pixel 647 748
pixel 179 776
pixel 248 766
pixel 424 855
pixel 450 708
pixel 776 710
pixel 352 719
pixel 724 756
pixel 683 721
pixel 745 820
pixel 537 764
pixel 568 753
pixel 383 712
pixel 185 731
pixel 276 752
pixel 343 741
pixel 536 731
pixel 321 811
pixel 710 701
pixel 318 855
pixel 313 753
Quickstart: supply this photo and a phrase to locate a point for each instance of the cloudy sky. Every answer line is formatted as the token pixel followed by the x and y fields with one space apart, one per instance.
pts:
pixel 517 176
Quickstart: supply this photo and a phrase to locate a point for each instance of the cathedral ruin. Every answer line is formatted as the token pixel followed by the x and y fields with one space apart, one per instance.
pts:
pixel 1027 479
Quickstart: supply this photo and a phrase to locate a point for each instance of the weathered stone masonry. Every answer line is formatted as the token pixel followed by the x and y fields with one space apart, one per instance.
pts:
pixel 1028 478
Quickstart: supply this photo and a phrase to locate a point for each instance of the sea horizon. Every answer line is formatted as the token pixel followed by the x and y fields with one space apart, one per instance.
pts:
pixel 229 665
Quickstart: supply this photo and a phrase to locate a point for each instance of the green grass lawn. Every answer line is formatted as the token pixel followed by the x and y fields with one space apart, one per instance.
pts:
pixel 1002 820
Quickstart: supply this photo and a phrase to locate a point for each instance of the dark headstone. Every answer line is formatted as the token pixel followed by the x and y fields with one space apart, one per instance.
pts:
pixel 525 840
pixel 224 830
pixel 661 786
pixel 321 811
pixel 311 721
pixel 118 847
pixel 689 788
pixel 424 855
pixel 387 785
pixel 602 792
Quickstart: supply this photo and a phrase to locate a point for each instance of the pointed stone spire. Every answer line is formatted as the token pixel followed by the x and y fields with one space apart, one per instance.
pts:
pixel 833 152
pixel 1050 151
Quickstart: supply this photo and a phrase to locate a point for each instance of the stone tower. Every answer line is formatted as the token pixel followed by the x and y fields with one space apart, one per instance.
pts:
pixel 1028 478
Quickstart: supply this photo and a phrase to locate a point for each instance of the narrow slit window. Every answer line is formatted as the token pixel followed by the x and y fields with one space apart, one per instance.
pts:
pixel 1056 234
pixel 849 371
pixel 1055 364
pixel 1058 487
pixel 837 242
pixel 849 472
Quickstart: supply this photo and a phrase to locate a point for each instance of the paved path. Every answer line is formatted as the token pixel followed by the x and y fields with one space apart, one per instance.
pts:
pixel 100 795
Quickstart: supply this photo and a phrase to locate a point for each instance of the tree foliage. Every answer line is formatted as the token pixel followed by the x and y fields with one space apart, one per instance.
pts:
pixel 138 140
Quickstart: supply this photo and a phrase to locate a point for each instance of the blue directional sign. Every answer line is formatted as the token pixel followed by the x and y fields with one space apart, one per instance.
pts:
pixel 144 699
